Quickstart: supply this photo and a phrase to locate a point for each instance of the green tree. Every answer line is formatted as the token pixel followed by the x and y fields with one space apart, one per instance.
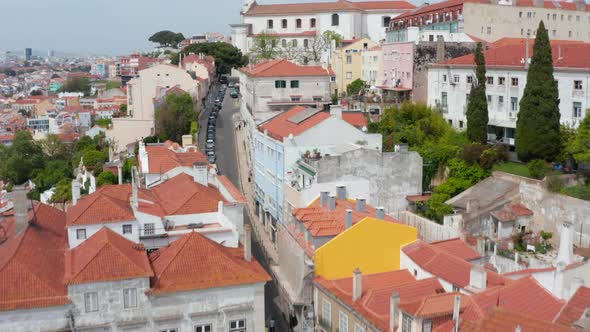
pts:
pixel 55 171
pixel 266 46
pixel 37 92
pixel 537 125
pixel 93 158
pixel 63 192
pixel 226 55
pixel 127 167
pixel 322 43
pixel 105 178
pixel 22 160
pixel 355 87
pixel 77 84
pixel 174 117
pixel 167 38
pixel 477 108
pixel 580 146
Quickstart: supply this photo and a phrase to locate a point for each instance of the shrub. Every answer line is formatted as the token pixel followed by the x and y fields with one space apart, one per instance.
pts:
pixel 554 183
pixel 472 152
pixel 538 168
pixel 107 178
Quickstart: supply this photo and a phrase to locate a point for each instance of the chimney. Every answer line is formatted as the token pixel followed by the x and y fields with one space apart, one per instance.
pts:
pixel 75 191
pixel 324 198
pixel 477 277
pixel 526 51
pixel 393 310
pixel 518 328
pixel 187 140
pixel 336 110
pixel 361 204
pixel 380 213
pixel 331 203
pixel 92 184
pixel 348 218
pixel 357 284
pixel 20 207
pixel 248 243
pixel 566 244
pixel 134 187
pixel 200 173
pixel 341 192
pixel 440 49
pixel 180 60
pixel 120 173
pixel 457 311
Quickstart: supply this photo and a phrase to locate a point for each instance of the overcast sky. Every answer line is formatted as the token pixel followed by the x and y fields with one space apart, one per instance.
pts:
pixel 109 26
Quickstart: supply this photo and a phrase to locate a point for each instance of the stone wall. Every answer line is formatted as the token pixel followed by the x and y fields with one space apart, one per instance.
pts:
pixel 392 175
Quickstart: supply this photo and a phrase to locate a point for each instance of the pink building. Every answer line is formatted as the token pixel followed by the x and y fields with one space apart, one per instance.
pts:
pixel 398 71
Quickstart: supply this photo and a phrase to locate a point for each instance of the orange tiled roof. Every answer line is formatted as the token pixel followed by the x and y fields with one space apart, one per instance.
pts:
pixel 503 320
pixel 281 126
pixel 445 265
pixel 32 263
pixel 572 56
pixel 317 7
pixel 319 221
pixel 109 203
pixel 283 68
pixel 374 303
pixel 575 307
pixel 457 248
pixel 195 262
pixel 161 159
pixel 356 119
pixel 182 195
pixel 106 256
pixel 233 191
pixel 436 305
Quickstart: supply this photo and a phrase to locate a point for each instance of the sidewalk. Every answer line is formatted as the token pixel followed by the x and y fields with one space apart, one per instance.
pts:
pixel 248 190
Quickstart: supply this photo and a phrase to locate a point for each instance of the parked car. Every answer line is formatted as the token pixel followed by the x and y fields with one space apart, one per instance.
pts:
pixel 233 94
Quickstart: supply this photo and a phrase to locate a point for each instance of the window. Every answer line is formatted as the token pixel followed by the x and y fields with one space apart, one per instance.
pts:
pixel 280 84
pixel 284 43
pixel 554 33
pixel 456 78
pixel 489 30
pixel 317 98
pixel 548 15
pixel 130 297
pixel 519 14
pixel 127 229
pixel 270 24
pixel 358 328
pixel 515 81
pixel 469 79
pixel 577 85
pixel 427 325
pixel 91 302
pixel 500 101
pixel 529 15
pixel 444 78
pixel 298 23
pixel 443 98
pixel 170 329
pixel 335 20
pixel 203 328
pixel 569 33
pixel 460 123
pixel 569 17
pixel 577 110
pixel 386 21
pixel 327 312
pixel 577 18
pixel 294 42
pixel 294 84
pixel 349 59
pixel 312 23
pixel 343 321
pixel 555 17
pixel 489 99
pixel 81 234
pixel 513 104
pixel 237 325
pixel 306 43
pixel 348 75
pixel 456 288
pixel 284 23
pixel 490 80
pixel 149 229
pixel 501 80
pixel 295 98
pixel 406 323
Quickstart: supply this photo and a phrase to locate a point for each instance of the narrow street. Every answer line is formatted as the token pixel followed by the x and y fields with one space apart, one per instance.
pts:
pixel 228 165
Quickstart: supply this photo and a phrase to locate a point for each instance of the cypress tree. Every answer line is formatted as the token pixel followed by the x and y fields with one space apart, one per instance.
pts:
pixel 477 108
pixel 537 125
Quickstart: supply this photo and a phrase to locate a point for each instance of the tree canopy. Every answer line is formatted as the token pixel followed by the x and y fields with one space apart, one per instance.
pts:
pixel 226 55
pixel 22 160
pixel 77 84
pixel 477 108
pixel 537 125
pixel 580 146
pixel 266 46
pixel 174 117
pixel 167 38
pixel 355 87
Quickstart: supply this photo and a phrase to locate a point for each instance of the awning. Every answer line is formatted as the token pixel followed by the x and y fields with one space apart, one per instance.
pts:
pixel 502 123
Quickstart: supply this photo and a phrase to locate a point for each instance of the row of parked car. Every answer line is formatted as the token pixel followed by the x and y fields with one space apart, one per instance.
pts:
pixel 211 125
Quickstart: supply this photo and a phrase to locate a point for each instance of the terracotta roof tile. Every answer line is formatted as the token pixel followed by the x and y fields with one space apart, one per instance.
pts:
pixel 317 7
pixel 356 119
pixel 284 68
pixel 108 204
pixel 32 263
pixel 377 289
pixel 457 247
pixel 106 256
pixel 195 262
pixel 575 307
pixel 161 159
pixel 232 189
pixel 433 305
pixel 281 126
pixel 503 320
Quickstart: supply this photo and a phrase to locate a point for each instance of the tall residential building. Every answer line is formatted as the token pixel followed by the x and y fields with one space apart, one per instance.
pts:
pixel 28 53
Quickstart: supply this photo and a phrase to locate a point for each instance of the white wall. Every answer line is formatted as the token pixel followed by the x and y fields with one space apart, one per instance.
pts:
pixel 117 227
pixel 34 320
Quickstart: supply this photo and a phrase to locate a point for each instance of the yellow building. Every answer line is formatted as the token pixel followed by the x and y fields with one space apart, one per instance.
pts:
pixel 347 62
pixel 372 245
